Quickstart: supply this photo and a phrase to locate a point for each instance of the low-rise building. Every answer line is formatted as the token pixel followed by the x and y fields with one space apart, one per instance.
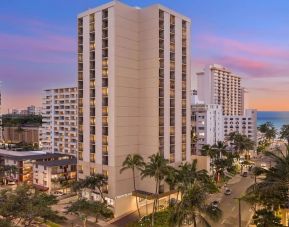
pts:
pixel 47 173
pixel 23 161
pixel 245 124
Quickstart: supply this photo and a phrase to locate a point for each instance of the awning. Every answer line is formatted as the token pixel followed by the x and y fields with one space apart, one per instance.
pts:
pixel 150 196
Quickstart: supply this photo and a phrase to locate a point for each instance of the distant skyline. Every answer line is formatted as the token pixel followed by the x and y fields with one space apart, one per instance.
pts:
pixel 38 45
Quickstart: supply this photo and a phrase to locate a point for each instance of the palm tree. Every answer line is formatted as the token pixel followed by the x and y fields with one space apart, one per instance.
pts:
pixel 171 179
pixel 207 150
pixel 156 168
pixel 241 142
pixel 95 181
pixel 273 190
pixel 284 133
pixel 221 148
pixel 268 130
pixel 192 208
pixel 133 162
pixel 189 175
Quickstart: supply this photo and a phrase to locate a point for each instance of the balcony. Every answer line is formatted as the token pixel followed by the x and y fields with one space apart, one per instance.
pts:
pixel 104 91
pixel 104 121
pixel 161 131
pixel 92 157
pixel 105 14
pixel 105 101
pixel 105 160
pixel 105 150
pixel 80 49
pixel 105 34
pixel 105 111
pixel 91 18
pixel 91 28
pixel 161 24
pixel 104 73
pixel 105 63
pixel 92 112
pixel 92 46
pixel 104 24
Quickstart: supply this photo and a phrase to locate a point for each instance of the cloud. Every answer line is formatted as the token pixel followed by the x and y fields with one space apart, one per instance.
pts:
pixel 248 58
pixel 242 47
pixel 46 49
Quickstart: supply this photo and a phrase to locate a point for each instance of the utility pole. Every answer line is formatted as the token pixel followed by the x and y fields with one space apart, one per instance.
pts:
pixel 240 217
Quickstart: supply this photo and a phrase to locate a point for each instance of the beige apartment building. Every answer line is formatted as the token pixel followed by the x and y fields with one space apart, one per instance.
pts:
pixel 59 126
pixel 29 135
pixel 218 85
pixel 133 89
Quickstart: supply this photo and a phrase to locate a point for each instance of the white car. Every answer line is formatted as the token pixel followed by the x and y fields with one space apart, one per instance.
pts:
pixel 228 191
pixel 58 193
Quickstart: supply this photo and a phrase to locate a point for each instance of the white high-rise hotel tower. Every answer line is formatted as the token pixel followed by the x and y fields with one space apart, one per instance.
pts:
pixel 133 88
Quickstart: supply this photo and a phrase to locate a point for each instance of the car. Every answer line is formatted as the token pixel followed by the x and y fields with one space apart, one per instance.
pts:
pixel 58 193
pixel 245 174
pixel 215 204
pixel 228 191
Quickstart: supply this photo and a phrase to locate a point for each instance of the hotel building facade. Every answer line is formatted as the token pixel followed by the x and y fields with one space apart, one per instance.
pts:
pixel 218 85
pixel 133 93
pixel 59 127
pixel 207 124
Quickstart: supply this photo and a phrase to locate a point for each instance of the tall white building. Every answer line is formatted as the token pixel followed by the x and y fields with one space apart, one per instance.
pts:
pixel 218 85
pixel 59 127
pixel 207 123
pixel 133 86
pixel 245 124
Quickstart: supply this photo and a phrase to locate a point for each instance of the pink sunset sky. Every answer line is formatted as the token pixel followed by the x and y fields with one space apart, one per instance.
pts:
pixel 38 46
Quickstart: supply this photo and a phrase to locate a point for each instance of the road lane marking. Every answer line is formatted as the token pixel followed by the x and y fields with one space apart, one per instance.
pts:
pixel 233 208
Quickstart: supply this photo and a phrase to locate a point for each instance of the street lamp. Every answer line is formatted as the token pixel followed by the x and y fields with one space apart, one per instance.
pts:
pixel 240 219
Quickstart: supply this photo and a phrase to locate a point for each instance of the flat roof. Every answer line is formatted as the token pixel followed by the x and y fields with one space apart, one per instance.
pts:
pixel 29 155
pixel 60 162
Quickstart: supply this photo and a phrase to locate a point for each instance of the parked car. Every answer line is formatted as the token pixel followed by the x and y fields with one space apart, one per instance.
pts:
pixel 245 174
pixel 228 191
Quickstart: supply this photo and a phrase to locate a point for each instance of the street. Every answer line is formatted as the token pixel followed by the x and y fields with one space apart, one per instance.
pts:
pixel 229 205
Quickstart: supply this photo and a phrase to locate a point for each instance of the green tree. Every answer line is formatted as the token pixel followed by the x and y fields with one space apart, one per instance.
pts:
pixel 268 130
pixel 221 149
pixel 92 182
pixel 284 133
pixel 273 190
pixel 26 206
pixel 133 162
pixel 156 168
pixel 84 208
pixel 266 218
pixel 241 142
pixel 192 208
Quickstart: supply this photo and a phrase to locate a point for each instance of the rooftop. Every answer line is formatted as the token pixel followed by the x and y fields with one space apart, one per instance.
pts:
pixel 29 155
pixel 61 162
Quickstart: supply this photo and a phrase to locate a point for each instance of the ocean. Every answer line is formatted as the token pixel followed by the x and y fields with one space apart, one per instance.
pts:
pixel 277 118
